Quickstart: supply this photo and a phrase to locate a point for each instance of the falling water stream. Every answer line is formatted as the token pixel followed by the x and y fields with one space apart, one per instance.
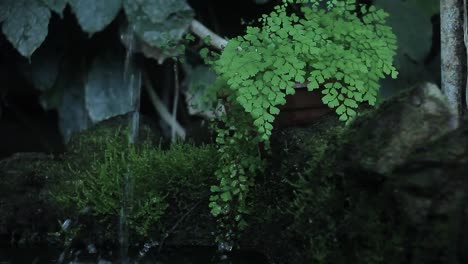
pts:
pixel 132 80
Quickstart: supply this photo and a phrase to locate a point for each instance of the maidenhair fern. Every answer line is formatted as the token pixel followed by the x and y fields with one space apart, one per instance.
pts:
pixel 339 47
pixel 333 49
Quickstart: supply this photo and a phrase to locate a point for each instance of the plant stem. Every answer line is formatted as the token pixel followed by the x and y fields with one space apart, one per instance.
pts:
pixel 202 31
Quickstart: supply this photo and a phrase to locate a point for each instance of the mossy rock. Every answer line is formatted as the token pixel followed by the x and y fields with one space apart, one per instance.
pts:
pixel 87 143
pixel 155 182
pixel 380 140
pixel 26 215
pixel 338 201
pixel 432 189
pixel 272 229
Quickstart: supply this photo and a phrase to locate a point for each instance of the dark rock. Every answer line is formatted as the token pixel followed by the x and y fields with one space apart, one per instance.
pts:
pixel 25 212
pixel 382 139
pixel 432 189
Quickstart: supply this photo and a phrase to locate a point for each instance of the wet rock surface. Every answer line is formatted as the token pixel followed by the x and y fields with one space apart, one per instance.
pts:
pixel 26 215
pixel 389 188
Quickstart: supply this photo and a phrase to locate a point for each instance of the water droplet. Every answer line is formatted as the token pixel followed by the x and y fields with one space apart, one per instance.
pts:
pixel 225 246
pixel 103 261
pixel 92 249
pixel 66 224
pixel 61 257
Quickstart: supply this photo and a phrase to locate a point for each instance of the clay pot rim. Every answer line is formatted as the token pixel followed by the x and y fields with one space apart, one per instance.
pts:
pixel 297 85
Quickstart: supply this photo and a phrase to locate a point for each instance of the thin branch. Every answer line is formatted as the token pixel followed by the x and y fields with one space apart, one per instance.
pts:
pixel 202 32
pixel 175 102
pixel 161 108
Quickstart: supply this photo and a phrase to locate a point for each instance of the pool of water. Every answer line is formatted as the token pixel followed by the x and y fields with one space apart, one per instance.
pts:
pixel 179 255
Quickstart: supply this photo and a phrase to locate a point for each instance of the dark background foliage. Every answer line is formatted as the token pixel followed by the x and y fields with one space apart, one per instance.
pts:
pixel 32 117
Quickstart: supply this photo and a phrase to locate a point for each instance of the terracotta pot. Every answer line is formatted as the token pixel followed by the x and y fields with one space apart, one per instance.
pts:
pixel 302 108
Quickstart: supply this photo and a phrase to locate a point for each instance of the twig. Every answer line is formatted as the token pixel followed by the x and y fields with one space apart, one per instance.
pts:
pixel 161 108
pixel 176 101
pixel 202 32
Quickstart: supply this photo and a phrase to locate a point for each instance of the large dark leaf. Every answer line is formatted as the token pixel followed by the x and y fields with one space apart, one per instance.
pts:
pixel 68 96
pixel 431 7
pixel 159 22
pixel 25 24
pixel 56 5
pixel 414 44
pixel 413 41
pixel 198 81
pixel 5 7
pixel 43 68
pixel 95 15
pixel 107 92
pixel 73 116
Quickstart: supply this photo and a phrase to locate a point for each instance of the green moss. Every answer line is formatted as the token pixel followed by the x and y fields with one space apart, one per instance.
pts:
pixel 325 213
pixel 340 223
pixel 274 194
pixel 25 214
pixel 385 137
pixel 338 219
pixel 101 170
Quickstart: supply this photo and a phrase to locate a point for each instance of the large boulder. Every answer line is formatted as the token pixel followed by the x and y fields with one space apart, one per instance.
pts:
pixel 389 188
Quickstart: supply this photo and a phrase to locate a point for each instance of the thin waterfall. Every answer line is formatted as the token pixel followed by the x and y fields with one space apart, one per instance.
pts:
pixel 176 101
pixel 131 79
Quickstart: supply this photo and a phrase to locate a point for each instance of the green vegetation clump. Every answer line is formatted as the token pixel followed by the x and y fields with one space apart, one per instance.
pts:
pixel 337 218
pixel 339 47
pixel 102 172
pixel 334 49
pixel 325 213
